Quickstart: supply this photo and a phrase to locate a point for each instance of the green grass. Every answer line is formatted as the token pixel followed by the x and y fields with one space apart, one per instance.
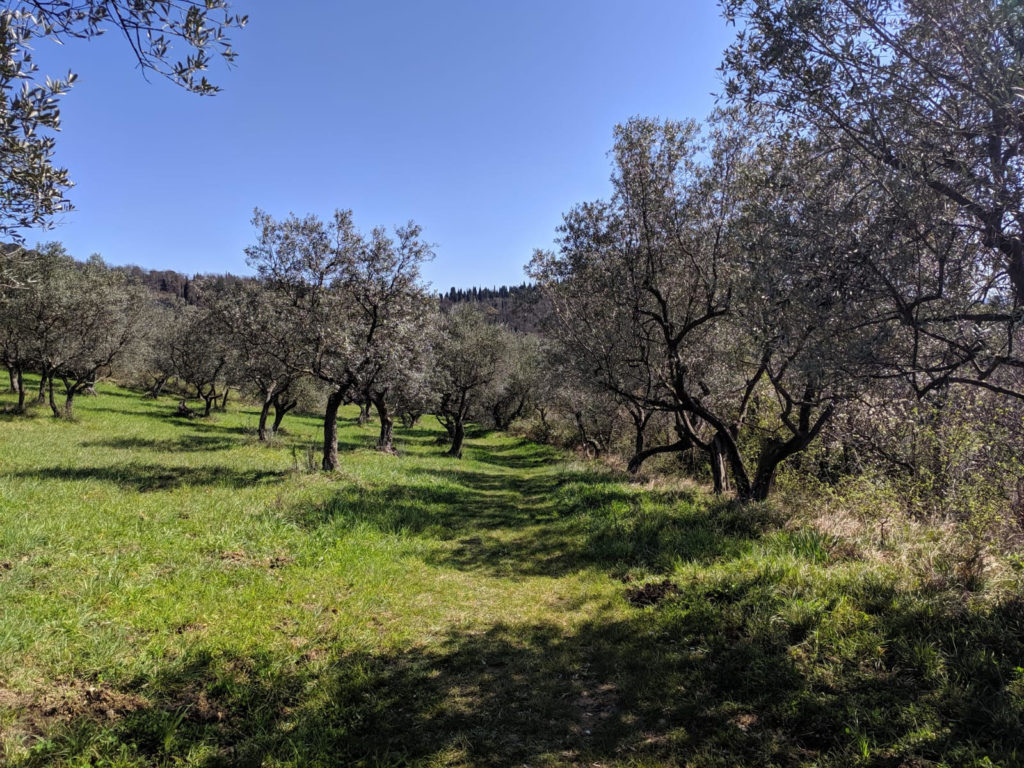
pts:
pixel 174 593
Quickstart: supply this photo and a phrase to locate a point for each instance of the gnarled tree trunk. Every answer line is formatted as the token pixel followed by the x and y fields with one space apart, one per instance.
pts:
pixel 330 460
pixel 639 458
pixel 364 412
pixel 261 429
pixel 458 433
pixel 21 391
pixel 158 386
pixel 281 407
pixel 385 442
pixel 719 464
pixel 53 402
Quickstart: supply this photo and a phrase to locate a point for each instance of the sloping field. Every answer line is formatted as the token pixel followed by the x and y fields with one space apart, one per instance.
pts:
pixel 174 593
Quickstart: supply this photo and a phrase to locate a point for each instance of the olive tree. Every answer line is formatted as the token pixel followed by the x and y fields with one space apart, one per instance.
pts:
pixel 357 301
pixel 641 282
pixel 387 314
pixel 470 356
pixel 925 97
pixel 704 289
pixel 72 321
pixel 264 338
pixel 514 393
pixel 200 352
pixel 152 364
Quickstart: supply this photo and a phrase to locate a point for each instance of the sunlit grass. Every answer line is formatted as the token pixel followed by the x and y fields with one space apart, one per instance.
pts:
pixel 175 593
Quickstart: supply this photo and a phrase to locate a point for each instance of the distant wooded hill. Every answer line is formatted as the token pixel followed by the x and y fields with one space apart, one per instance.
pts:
pixel 521 307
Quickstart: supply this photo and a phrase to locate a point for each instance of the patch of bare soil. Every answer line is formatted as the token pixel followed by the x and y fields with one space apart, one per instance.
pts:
pixel 234 556
pixel 651 594
pixel 241 557
pixel 69 700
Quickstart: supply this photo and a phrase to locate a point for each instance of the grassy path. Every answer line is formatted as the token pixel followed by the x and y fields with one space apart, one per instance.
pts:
pixel 174 593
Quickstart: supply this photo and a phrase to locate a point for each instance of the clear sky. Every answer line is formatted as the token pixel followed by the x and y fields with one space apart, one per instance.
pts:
pixel 481 120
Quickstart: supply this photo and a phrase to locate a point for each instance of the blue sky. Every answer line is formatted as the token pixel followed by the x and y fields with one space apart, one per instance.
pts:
pixel 482 121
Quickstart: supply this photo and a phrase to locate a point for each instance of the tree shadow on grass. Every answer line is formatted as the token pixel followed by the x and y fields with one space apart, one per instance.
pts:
pixel 126 393
pixel 144 478
pixel 547 524
pixel 208 424
pixel 706 679
pixel 184 444
pixel 521 454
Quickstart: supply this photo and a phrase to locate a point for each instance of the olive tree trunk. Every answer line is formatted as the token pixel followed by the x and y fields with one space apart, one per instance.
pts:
pixel 458 433
pixel 639 458
pixel 261 430
pixel 385 442
pixel 53 402
pixel 158 386
pixel 281 408
pixel 719 465
pixel 21 391
pixel 364 412
pixel 330 460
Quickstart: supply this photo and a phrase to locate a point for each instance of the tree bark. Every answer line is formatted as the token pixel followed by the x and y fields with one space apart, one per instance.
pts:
pixel 330 459
pixel 223 404
pixel 640 419
pixel 208 399
pixel 21 391
pixel 719 465
pixel 364 412
pixel 591 446
pixel 458 433
pixel 767 467
pixel 777 451
pixel 640 426
pixel 158 386
pixel 69 402
pixel 385 442
pixel 42 388
pixel 281 408
pixel 13 379
pixel 261 430
pixel 641 456
pixel 53 403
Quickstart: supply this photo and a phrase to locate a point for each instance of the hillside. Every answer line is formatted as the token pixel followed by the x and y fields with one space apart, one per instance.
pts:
pixel 521 307
pixel 175 593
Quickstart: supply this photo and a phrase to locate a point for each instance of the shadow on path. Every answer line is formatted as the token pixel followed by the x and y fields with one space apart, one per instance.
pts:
pixel 145 478
pixel 701 681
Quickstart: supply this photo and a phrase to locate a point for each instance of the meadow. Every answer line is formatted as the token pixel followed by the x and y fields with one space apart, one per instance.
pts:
pixel 174 593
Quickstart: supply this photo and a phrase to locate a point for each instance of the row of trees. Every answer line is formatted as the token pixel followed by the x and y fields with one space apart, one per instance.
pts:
pixel 333 317
pixel 839 243
pixel 71 322
pixel 845 234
